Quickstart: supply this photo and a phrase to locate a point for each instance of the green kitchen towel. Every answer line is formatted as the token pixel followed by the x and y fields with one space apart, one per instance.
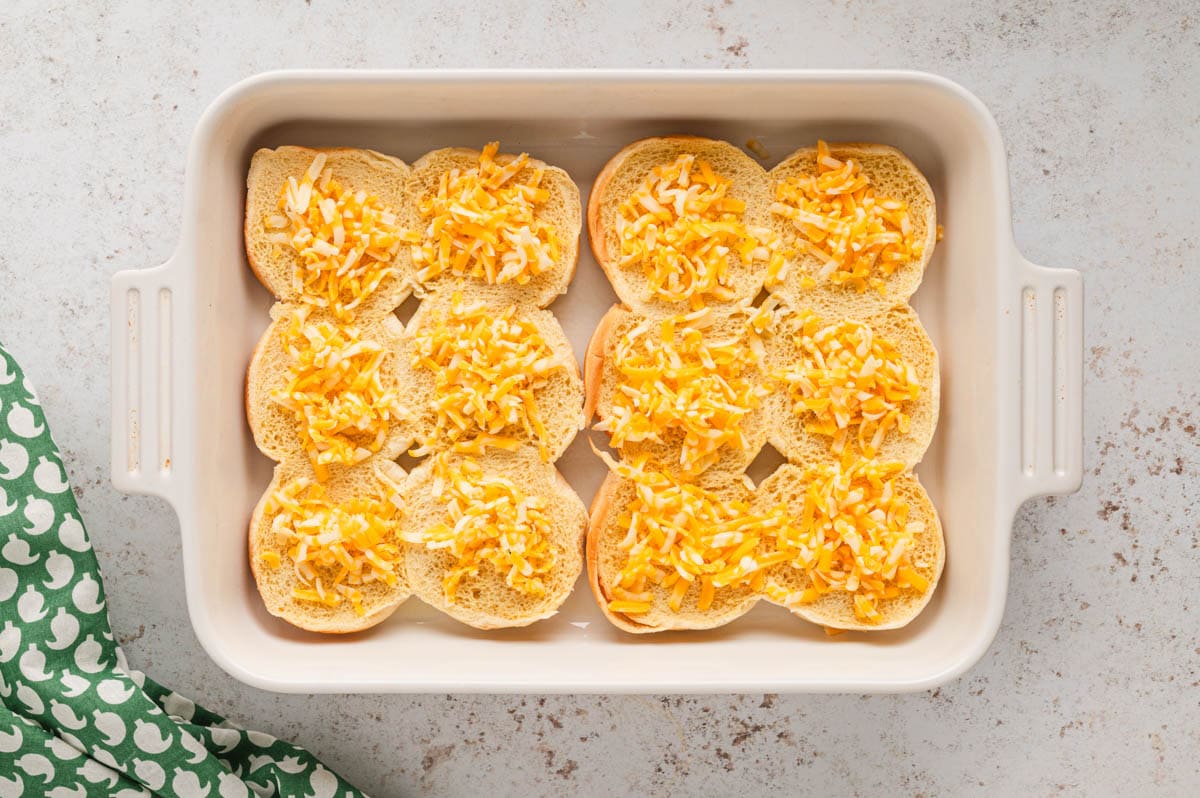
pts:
pixel 74 719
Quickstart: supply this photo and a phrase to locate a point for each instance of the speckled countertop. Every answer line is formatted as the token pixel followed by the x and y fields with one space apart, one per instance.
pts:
pixel 1093 684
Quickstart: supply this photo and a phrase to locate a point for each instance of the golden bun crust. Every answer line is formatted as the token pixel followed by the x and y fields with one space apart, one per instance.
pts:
pixel 559 402
pixel 274 428
pixel 893 175
pixel 364 170
pixel 835 610
pixel 485 601
pixel 562 211
pixel 605 560
pixel 275 584
pixel 624 174
pixel 602 383
pixel 902 328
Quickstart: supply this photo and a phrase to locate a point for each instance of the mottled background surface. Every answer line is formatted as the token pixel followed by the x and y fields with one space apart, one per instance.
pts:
pixel 1093 685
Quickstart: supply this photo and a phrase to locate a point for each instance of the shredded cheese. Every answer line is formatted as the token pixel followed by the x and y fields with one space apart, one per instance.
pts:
pixel 681 227
pixel 672 376
pixel 846 377
pixel 679 534
pixel 335 391
pixel 487 368
pixel 346 240
pixel 334 549
pixel 482 223
pixel 859 238
pixel 852 535
pixel 488 520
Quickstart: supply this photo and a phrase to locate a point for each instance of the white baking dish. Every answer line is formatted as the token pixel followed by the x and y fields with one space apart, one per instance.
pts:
pixel 1009 332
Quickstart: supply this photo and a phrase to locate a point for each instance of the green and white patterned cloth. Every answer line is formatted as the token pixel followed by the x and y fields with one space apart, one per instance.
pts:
pixel 74 719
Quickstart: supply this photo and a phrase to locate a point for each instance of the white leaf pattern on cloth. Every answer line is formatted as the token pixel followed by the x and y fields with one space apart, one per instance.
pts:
pixel 150 773
pixel 30 699
pixel 33 664
pixel 48 476
pixel 14 459
pixel 114 691
pixel 12 786
pixel 65 716
pixel 71 535
pixel 60 569
pixel 40 515
pixel 62 750
pixel 21 422
pixel 11 741
pixel 76 685
pixel 67 792
pixel 10 641
pixel 17 552
pixel 65 628
pixel 149 738
pixel 37 766
pixel 86 595
pixel 8 583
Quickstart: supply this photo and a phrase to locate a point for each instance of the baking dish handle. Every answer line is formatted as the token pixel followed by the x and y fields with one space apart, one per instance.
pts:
pixel 143 368
pixel 1050 381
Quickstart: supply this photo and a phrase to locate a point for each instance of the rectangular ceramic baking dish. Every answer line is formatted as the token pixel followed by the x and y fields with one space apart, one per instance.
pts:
pixel 1009 333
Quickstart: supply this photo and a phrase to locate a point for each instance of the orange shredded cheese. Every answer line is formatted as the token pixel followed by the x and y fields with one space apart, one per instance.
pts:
pixel 488 520
pixel 482 223
pixel 334 549
pixel 859 237
pixel 487 368
pixel 671 376
pixel 681 227
pixel 680 534
pixel 335 391
pixel 346 240
pixel 852 535
pixel 847 377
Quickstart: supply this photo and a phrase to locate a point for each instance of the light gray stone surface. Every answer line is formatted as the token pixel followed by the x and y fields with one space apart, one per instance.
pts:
pixel 1091 687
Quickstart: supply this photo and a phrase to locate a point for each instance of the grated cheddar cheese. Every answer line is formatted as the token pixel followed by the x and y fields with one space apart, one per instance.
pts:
pixel 335 392
pixel 858 237
pixel 681 227
pixel 346 240
pixel 334 549
pixel 489 520
pixel 852 535
pixel 679 534
pixel 671 376
pixel 846 376
pixel 487 367
pixel 482 223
